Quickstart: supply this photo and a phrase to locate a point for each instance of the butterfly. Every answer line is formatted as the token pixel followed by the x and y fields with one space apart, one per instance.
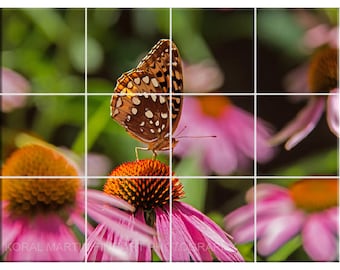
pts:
pixel 141 100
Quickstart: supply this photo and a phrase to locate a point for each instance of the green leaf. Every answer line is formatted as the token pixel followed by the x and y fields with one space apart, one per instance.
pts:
pixel 279 28
pixel 247 251
pixel 49 21
pixel 95 54
pixel 195 192
pixel 325 163
pixel 76 51
pixel 95 125
pixel 190 165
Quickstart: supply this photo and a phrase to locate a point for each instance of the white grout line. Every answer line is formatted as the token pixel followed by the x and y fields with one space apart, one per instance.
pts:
pixel 250 94
pixel 170 130
pixel 338 147
pixel 212 177
pixel 255 129
pixel 85 137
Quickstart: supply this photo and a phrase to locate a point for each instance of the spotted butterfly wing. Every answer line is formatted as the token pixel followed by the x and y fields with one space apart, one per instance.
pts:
pixel 138 104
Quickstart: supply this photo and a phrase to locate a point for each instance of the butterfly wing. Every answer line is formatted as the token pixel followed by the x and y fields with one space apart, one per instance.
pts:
pixel 144 115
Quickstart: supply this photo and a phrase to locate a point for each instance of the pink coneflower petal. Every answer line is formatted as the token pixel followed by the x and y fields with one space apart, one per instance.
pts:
pixel 319 241
pixel 235 119
pixel 241 221
pixel 240 216
pixel 316 36
pixel 115 244
pixel 332 216
pixel 244 233
pixel 46 238
pixel 187 242
pixel 113 217
pixel 105 244
pixel 12 82
pixel 78 220
pixel 162 239
pixel 229 149
pixel 333 103
pixel 12 227
pixel 274 205
pixel 296 81
pixel 302 125
pixel 100 197
pixel 144 252
pixel 105 208
pixel 220 156
pixel 100 250
pixel 97 164
pixel 262 223
pixel 211 76
pixel 232 121
pixel 214 151
pixel 216 239
pixel 265 190
pixel 270 199
pixel 277 232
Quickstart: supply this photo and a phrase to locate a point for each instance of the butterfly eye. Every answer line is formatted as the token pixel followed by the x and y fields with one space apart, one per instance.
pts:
pixel 142 102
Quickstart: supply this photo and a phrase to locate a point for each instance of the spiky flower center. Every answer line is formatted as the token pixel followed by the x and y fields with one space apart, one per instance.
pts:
pixel 35 194
pixel 144 184
pixel 323 70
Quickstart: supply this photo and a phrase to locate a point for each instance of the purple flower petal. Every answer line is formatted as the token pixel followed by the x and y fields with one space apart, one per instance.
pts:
pixel 221 156
pixel 239 217
pixel 122 224
pixel 318 240
pixel 13 82
pixel 100 197
pixel 102 246
pixel 264 190
pixel 188 242
pixel 105 244
pixel 332 217
pixel 229 150
pixel 274 205
pixel 333 103
pixel 244 233
pixel 10 229
pixel 301 125
pixel 215 237
pixel 162 238
pixel 211 76
pixel 46 238
pixel 235 119
pixel 277 232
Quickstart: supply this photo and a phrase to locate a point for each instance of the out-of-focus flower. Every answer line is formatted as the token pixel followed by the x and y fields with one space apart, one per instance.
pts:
pixel 320 35
pixel 233 147
pixel 13 82
pixel 97 164
pixel 42 199
pixel 322 77
pixel 205 76
pixel 145 184
pixel 308 207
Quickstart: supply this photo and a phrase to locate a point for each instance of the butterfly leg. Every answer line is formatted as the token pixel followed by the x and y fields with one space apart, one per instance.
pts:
pixel 139 148
pixel 154 154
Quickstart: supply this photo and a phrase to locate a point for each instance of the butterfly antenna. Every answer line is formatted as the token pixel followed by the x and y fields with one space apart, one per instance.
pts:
pixel 196 137
pixel 188 136
pixel 181 131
